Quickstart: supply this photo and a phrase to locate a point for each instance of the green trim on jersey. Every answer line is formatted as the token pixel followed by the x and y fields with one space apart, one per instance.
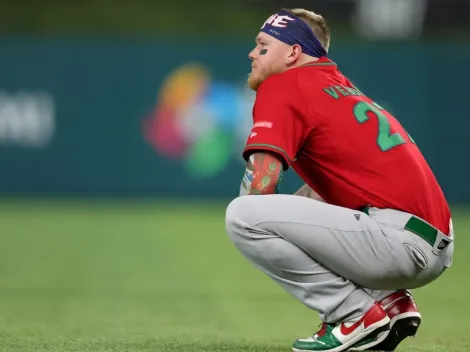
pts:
pixel 283 152
pixel 320 64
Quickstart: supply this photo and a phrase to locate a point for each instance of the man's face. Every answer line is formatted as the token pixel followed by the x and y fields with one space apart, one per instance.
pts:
pixel 268 57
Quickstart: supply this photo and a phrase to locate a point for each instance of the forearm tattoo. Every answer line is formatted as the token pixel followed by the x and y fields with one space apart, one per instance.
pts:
pixel 262 175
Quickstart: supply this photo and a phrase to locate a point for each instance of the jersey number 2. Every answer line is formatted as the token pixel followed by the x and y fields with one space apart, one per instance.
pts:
pixel 385 140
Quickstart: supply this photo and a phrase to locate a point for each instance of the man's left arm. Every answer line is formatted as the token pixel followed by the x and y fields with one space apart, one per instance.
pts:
pixel 262 175
pixel 277 135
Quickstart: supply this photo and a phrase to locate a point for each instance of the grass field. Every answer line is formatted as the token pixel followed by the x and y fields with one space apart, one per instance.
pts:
pixel 103 276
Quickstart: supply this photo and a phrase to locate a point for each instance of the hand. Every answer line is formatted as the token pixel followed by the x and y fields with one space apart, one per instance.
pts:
pixel 306 191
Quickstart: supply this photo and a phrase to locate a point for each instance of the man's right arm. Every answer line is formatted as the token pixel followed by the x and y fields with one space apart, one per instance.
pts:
pixel 306 191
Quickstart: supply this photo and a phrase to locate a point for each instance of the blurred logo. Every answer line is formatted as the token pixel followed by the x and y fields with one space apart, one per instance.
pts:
pixel 199 120
pixel 27 119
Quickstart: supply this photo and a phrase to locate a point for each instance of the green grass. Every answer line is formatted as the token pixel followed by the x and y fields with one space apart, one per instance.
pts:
pixel 97 276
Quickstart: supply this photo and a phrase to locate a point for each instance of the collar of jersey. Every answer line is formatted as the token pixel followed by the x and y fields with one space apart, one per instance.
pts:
pixel 323 61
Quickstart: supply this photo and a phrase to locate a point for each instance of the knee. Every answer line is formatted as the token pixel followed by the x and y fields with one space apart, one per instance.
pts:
pixel 234 214
pixel 238 217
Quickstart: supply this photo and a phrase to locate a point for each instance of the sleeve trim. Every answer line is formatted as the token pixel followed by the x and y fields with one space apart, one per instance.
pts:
pixel 270 147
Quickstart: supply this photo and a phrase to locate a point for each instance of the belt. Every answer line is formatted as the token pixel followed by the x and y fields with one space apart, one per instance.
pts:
pixel 418 227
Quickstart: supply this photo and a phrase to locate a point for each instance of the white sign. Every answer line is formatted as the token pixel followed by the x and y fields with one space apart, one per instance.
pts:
pixel 389 18
pixel 27 119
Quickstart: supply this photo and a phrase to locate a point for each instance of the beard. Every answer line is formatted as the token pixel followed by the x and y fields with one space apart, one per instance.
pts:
pixel 255 80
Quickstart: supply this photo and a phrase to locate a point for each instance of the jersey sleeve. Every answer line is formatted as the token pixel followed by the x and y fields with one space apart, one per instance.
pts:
pixel 278 124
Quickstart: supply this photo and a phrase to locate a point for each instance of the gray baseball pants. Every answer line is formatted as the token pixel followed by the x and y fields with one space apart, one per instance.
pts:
pixel 335 260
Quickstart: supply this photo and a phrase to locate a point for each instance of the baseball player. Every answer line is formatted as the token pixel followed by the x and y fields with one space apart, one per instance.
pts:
pixel 370 224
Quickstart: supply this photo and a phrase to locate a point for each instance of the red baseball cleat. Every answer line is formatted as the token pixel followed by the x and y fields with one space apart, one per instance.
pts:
pixel 404 319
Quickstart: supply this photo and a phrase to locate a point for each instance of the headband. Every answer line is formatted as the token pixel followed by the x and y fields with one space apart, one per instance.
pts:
pixel 291 30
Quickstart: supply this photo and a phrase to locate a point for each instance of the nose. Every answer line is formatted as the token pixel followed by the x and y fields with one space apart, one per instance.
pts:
pixel 251 55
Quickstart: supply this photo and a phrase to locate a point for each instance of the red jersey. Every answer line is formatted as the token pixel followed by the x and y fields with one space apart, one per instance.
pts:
pixel 347 148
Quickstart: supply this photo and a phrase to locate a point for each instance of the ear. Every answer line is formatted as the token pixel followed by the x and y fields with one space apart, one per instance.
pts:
pixel 294 54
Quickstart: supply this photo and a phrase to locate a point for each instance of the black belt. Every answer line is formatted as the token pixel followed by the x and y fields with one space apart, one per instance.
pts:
pixel 419 227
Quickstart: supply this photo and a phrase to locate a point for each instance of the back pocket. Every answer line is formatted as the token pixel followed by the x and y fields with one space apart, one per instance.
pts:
pixel 416 254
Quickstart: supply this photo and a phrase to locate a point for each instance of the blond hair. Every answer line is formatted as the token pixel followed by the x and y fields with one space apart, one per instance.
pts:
pixel 317 23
